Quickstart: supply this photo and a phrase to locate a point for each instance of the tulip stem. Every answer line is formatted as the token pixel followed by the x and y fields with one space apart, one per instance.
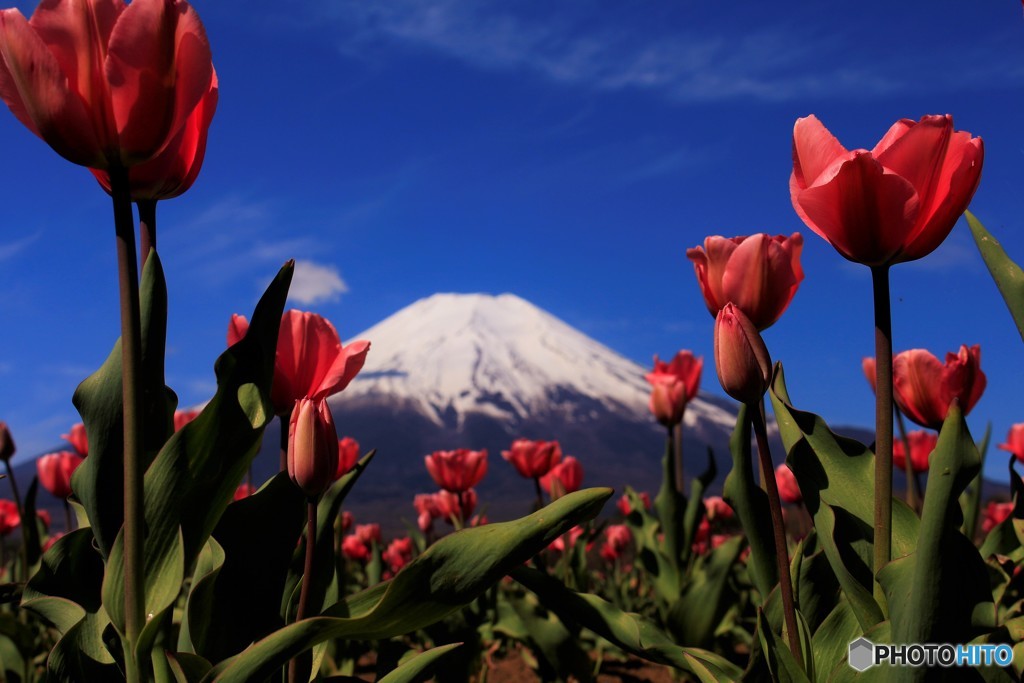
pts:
pixel 883 423
pixel 147 228
pixel 676 434
pixel 908 465
pixel 307 578
pixel 779 529
pixel 131 378
pixel 540 493
pixel 21 512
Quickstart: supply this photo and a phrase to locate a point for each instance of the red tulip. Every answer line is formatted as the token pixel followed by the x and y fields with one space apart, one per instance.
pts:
pixel 1015 441
pixel 312 447
pixel 893 204
pixel 183 417
pixel 741 358
pixel 533 459
pixel 717 508
pixel 346 521
pixel 994 514
pixel 353 548
pixel 870 372
pixel 789 489
pixel 10 517
pixel 457 470
pixel 426 509
pixel 368 533
pixel 673 385
pixel 348 456
pixel 310 361
pixel 617 540
pixel 574 534
pixel 6 443
pixel 244 490
pixel 55 472
pixel 103 82
pixel 922 444
pixel 172 172
pixel 563 478
pixel 78 439
pixel 51 540
pixel 759 274
pixel 625 507
pixel 457 505
pixel 398 553
pixel 44 517
pixel 924 387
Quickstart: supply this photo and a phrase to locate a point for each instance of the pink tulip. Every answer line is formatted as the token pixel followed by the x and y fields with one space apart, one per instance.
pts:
pixel 183 417
pixel 994 515
pixel 457 505
pixel 563 478
pixel 398 553
pixel 368 533
pixel 625 507
pixel 312 447
pixel 741 358
pixel 457 470
pixel 922 444
pixel 55 472
pixel 348 456
pixel 717 508
pixel 789 489
pixel 759 274
pixel 103 82
pixel 1015 441
pixel 10 517
pixel 617 539
pixel 924 387
pixel 673 385
pixel 353 548
pixel 533 459
pixel 892 204
pixel 78 439
pixel 243 491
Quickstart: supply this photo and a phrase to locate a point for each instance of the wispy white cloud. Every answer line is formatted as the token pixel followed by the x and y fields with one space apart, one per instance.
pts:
pixel 775 62
pixel 315 283
pixel 11 249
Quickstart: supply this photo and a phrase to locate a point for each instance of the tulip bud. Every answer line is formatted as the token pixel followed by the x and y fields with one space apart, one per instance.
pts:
pixel 312 446
pixel 741 358
pixel 6 442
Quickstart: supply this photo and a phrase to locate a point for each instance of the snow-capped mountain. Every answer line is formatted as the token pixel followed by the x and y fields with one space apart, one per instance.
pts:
pixel 452 355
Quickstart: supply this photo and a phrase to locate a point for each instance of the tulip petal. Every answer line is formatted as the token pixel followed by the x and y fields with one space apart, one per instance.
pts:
pixel 35 87
pixel 344 369
pixel 865 212
pixel 918 154
pixel 760 280
pixel 952 193
pixel 159 66
pixel 715 257
pixel 895 132
pixel 814 150
pixel 916 376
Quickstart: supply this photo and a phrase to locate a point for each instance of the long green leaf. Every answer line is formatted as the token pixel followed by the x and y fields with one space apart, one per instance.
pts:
pixel 450 574
pixel 413 669
pixel 1007 274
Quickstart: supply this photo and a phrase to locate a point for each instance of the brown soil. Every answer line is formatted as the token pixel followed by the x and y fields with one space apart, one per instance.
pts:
pixel 514 670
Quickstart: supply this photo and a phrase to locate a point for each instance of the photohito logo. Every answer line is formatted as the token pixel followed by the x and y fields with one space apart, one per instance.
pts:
pixel 864 654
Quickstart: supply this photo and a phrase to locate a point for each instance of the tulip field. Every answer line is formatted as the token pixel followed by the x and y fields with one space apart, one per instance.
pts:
pixel 170 564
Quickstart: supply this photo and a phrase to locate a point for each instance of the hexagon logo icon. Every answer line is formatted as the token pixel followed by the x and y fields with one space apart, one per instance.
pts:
pixel 862 654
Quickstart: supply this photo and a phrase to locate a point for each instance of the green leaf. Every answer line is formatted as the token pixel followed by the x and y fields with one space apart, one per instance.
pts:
pixel 751 505
pixel 1007 274
pixel 695 510
pixel 670 504
pixel 707 596
pixel 67 584
pixel 411 670
pixel 187 668
pixel 970 500
pixel 631 632
pixel 830 643
pixel 99 481
pixel 783 666
pixel 30 526
pixel 557 648
pixel 834 473
pixel 1003 539
pixel 448 575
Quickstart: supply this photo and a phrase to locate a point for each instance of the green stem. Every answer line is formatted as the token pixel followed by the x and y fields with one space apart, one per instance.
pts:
pixel 147 228
pixel 908 465
pixel 540 494
pixel 676 434
pixel 307 579
pixel 779 529
pixel 131 379
pixel 883 423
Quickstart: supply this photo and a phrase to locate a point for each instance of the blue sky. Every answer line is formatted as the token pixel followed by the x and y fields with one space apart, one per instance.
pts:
pixel 567 152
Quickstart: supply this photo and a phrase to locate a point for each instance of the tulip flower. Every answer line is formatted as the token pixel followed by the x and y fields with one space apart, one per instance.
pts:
pixel 183 417
pixel 626 507
pixel 617 540
pixel 925 387
pixel 789 489
pixel 104 83
pixel 172 172
pixel 78 439
pixel 426 510
pixel 759 274
pixel 44 517
pixel 368 533
pixel 6 443
pixel 455 506
pixel 558 545
pixel 10 516
pixel 311 361
pixel 398 553
pixel 673 385
pixel 994 514
pixel 1015 441
pixel 533 459
pixel 563 478
pixel 892 204
pixel 922 444
pixel 346 520
pixel 55 472
pixel 348 456
pixel 353 548
pixel 457 470
pixel 312 447
pixel 717 508
pixel 741 358
pixel 243 491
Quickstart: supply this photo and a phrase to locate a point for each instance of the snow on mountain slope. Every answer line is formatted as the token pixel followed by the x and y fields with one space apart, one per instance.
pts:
pixel 450 355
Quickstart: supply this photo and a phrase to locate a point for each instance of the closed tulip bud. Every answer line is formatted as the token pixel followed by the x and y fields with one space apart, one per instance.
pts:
pixel 55 472
pixel 312 447
pixel 789 489
pixel 348 456
pixel 741 358
pixel 6 442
